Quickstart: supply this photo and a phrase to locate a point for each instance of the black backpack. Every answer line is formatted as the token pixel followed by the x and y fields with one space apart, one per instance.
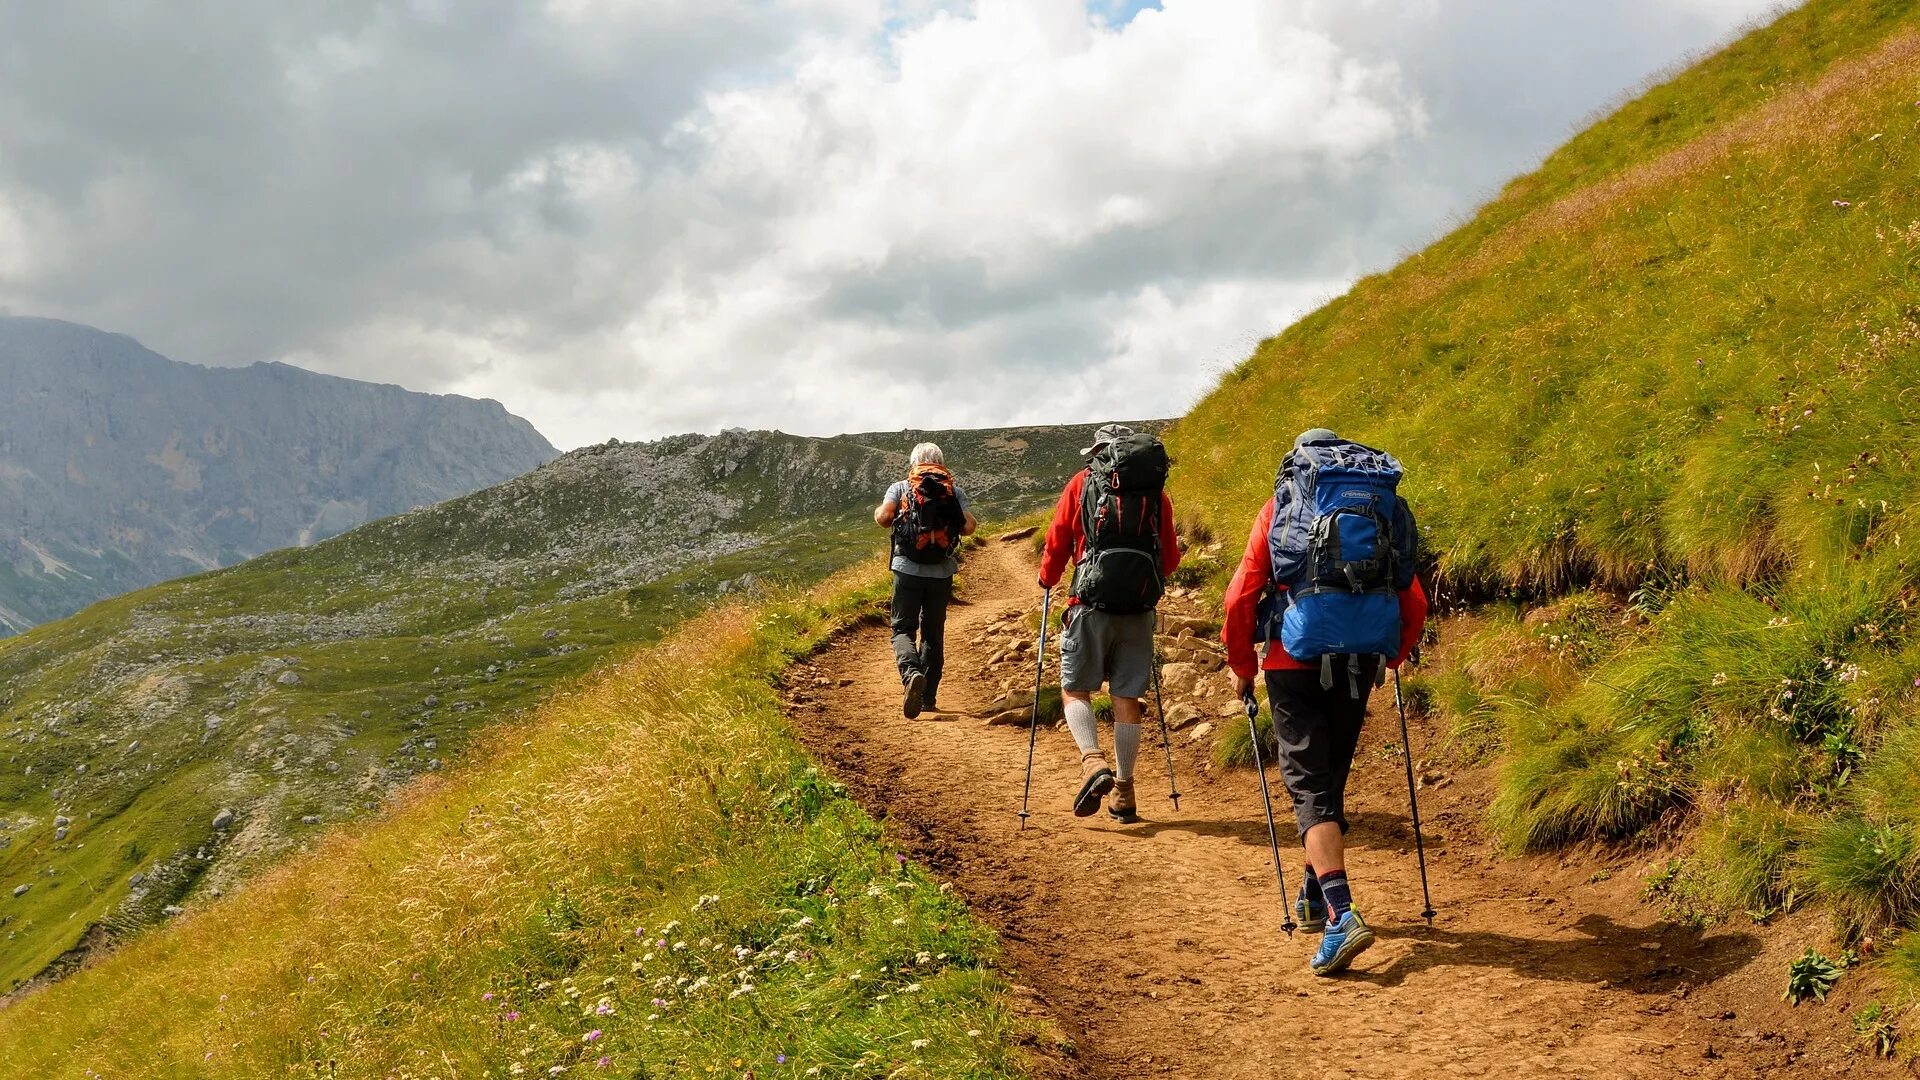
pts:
pixel 929 521
pixel 1119 567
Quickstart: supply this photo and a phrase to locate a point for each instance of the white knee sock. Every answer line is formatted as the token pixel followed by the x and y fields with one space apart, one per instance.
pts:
pixel 1080 722
pixel 1126 744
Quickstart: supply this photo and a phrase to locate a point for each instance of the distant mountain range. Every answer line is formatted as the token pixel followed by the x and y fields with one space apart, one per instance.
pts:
pixel 120 468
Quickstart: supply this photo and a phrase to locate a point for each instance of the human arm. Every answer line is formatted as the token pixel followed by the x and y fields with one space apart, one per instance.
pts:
pixel 1250 579
pixel 1063 533
pixel 1170 551
pixel 1413 619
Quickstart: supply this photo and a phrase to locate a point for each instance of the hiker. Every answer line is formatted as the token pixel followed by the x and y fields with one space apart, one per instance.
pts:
pixel 1115 522
pixel 1328 584
pixel 928 515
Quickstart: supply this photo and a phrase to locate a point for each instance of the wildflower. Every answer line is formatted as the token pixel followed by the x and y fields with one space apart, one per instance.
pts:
pixel 705 902
pixel 639 931
pixel 910 988
pixel 516 1069
pixel 556 1070
pixel 605 1008
pixel 670 927
pixel 512 1015
pixel 876 890
pixel 488 996
pixel 659 1003
pixel 807 920
pixel 922 1044
pixel 679 946
pixel 592 1036
pixel 741 952
pixel 779 1059
pixel 1719 678
pixel 901 859
pixel 922 958
pixel 901 921
pixel 743 991
pixel 604 1061
pixel 973 1033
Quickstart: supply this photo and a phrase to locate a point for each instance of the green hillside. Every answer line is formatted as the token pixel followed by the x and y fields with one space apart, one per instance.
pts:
pixel 1658 405
pixel 305 687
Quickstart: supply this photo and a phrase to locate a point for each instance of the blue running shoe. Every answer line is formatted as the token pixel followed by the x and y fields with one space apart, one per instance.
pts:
pixel 1310 913
pixel 1342 941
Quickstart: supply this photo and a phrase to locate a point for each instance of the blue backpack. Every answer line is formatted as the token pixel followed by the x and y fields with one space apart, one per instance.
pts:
pixel 1344 545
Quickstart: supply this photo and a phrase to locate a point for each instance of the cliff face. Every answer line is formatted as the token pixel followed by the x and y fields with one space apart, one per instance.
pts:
pixel 120 467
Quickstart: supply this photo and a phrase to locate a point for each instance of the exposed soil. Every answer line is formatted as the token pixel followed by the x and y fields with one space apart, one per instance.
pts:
pixel 1157 947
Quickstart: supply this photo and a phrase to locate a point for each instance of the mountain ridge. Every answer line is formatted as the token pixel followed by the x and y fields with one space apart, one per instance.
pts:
pixel 123 467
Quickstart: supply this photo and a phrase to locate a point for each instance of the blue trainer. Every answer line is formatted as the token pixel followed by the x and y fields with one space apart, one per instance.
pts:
pixel 1342 941
pixel 1310 913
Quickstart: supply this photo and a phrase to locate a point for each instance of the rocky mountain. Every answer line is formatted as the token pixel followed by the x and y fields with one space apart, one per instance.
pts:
pixel 161 746
pixel 120 467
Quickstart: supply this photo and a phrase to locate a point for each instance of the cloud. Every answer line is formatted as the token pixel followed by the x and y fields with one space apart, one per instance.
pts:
pixel 632 217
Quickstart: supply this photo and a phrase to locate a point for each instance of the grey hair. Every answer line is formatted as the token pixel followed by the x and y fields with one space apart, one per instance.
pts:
pixel 925 454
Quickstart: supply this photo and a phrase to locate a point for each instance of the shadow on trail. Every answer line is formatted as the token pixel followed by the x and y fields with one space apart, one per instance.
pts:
pixel 1620 955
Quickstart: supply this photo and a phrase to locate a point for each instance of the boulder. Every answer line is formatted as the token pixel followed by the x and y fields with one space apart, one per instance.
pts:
pixel 1182 715
pixel 223 820
pixel 1179 680
pixel 1016 535
pixel 21 890
pixel 1201 732
pixel 288 678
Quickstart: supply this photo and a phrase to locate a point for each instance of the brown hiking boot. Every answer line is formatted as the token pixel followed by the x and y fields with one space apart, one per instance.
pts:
pixel 1096 781
pixel 1121 807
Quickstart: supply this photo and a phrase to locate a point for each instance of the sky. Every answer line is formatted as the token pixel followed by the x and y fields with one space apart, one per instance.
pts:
pixel 630 218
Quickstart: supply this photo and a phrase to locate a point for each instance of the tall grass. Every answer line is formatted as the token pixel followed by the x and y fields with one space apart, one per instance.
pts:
pixel 648 878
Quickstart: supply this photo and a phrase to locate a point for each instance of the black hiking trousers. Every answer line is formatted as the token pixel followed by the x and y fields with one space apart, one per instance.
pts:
pixel 920 612
pixel 1318 729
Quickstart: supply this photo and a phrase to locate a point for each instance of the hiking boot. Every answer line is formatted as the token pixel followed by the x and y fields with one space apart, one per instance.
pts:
pixel 1096 781
pixel 1121 807
pixel 916 687
pixel 1342 941
pixel 1310 913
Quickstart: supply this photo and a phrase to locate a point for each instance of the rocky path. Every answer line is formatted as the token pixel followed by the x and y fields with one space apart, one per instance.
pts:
pixel 1158 946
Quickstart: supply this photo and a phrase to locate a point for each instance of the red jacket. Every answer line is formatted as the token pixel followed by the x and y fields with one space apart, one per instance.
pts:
pixel 1243 596
pixel 1066 539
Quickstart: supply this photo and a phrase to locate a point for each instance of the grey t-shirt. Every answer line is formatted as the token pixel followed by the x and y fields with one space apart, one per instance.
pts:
pixel 904 565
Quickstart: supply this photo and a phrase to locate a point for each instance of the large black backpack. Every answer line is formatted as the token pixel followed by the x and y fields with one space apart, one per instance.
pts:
pixel 1119 567
pixel 928 523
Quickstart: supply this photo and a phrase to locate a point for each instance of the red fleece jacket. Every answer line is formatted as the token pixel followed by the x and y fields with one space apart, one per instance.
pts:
pixel 1066 539
pixel 1243 597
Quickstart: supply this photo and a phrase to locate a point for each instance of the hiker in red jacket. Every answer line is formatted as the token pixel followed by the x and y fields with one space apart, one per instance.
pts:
pixel 1317 707
pixel 1115 522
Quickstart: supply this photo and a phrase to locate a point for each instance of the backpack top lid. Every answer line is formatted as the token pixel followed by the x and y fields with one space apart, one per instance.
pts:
pixel 1134 464
pixel 930 474
pixel 1325 474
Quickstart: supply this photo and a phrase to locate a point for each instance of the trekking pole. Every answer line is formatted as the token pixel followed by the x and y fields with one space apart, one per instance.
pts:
pixel 1160 707
pixel 1419 846
pixel 1266 800
pixel 1033 725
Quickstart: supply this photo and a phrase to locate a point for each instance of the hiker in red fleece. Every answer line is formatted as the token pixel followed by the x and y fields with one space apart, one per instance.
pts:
pixel 1319 700
pixel 1115 522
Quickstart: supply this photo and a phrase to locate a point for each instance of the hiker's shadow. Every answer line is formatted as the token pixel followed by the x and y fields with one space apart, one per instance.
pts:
pixel 1623 956
pixel 1247 832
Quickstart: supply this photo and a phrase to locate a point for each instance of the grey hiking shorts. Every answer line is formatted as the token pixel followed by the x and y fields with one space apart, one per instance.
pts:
pixel 1098 646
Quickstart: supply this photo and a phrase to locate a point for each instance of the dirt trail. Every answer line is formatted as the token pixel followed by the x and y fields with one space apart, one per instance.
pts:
pixel 1157 946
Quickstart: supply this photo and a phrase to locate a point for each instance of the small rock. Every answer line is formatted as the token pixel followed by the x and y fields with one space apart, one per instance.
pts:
pixel 137 880
pixel 310 819
pixel 433 763
pixel 288 678
pixel 1652 946
pixel 60 833
pixel 1182 715
pixel 333 766
pixel 61 821
pixel 433 701
pixel 172 909
pixel 1200 732
pixel 21 890
pixel 133 746
pixel 550 633
pixel 223 820
pixel 1016 535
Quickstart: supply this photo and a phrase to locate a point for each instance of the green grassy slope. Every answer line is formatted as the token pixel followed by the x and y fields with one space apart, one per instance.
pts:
pixel 647 878
pixel 1664 386
pixel 302 688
